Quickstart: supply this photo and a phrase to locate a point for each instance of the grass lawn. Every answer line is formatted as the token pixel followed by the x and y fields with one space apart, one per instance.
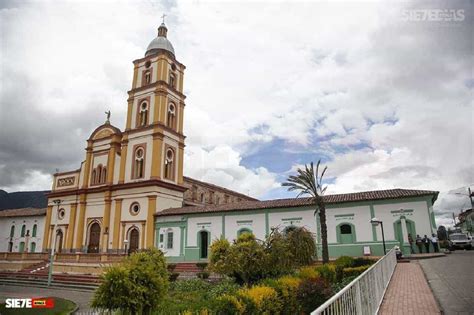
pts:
pixel 61 307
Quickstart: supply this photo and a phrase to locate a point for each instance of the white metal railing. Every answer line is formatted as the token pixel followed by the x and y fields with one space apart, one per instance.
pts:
pixel 365 293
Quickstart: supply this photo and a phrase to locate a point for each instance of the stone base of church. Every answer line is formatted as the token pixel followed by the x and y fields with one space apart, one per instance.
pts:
pixel 17 265
pixel 80 268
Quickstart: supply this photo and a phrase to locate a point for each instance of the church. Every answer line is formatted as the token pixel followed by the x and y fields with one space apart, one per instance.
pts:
pixel 130 193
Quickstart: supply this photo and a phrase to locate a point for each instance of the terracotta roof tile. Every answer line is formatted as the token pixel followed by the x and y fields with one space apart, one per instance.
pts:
pixel 23 212
pixel 297 202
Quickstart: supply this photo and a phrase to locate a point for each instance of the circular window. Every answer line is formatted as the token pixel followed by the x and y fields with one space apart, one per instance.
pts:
pixel 173 67
pixel 61 214
pixel 134 208
pixel 169 154
pixel 147 64
pixel 171 109
pixel 139 153
pixel 144 106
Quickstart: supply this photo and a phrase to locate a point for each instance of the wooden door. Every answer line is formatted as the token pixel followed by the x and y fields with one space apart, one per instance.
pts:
pixel 134 238
pixel 204 243
pixel 94 238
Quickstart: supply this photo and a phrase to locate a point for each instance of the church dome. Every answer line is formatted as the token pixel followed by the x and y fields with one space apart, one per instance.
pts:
pixel 160 42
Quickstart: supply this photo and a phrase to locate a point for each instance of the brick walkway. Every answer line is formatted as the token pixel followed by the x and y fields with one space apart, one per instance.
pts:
pixel 408 292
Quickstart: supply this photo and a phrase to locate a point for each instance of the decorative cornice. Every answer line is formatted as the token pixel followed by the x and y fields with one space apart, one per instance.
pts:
pixel 157 84
pixel 115 187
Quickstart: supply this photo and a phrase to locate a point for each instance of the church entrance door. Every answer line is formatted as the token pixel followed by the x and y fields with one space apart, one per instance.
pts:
pixel 134 237
pixel 94 238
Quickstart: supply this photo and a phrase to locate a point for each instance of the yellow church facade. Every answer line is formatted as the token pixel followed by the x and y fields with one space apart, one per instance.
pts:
pixel 108 204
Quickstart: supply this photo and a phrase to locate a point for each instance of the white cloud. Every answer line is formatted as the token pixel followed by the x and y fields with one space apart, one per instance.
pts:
pixel 222 166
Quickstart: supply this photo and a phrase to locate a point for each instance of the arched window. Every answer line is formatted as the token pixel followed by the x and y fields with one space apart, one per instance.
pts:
pixel 35 227
pixel 346 233
pixel 172 80
pixel 139 163
pixel 147 77
pixel 171 119
pixel 103 175
pixel 202 197
pixel 23 230
pixel 99 175
pixel 143 114
pixel 169 164
pixel 12 231
pixel 346 229
pixel 32 247
pixel 22 247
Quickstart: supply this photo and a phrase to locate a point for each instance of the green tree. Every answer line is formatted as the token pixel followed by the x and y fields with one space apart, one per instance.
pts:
pixel 309 182
pixel 136 286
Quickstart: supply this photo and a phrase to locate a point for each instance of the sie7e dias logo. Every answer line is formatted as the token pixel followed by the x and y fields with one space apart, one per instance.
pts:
pixel 29 303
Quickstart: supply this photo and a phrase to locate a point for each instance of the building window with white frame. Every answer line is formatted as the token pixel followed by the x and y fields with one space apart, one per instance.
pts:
pixel 169 240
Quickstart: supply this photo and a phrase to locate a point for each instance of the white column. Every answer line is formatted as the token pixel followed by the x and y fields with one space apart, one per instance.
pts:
pixel 404 230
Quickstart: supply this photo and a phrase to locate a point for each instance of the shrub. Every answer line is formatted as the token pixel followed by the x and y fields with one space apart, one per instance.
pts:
pixel 249 260
pixel 191 285
pixel 137 285
pixel 302 246
pixel 173 276
pixel 226 286
pixel 362 262
pixel 280 259
pixel 287 289
pixel 355 271
pixel 203 275
pixel 339 273
pixel 218 258
pixel 344 261
pixel 228 304
pixel 338 286
pixel 245 260
pixel 313 293
pixel 307 273
pixel 327 272
pixel 265 299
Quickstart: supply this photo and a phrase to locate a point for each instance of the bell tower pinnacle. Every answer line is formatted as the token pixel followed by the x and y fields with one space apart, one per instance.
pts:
pixel 153 145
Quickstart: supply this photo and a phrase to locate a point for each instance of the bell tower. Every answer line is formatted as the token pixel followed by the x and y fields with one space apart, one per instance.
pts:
pixel 153 140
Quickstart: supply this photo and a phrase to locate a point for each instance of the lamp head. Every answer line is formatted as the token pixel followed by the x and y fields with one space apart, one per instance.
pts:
pixel 375 221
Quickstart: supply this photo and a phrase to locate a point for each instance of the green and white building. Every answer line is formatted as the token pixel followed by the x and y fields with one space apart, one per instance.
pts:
pixel 184 234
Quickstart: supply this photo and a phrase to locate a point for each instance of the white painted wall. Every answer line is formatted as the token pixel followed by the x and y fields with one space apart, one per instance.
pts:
pixel 419 215
pixel 360 220
pixel 175 250
pixel 212 224
pixel 233 223
pixel 5 226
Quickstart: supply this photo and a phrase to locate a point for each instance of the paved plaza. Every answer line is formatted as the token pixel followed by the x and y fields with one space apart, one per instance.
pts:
pixel 409 292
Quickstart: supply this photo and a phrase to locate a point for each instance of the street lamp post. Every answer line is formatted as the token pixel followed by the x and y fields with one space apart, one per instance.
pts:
pixel 375 221
pixel 51 256
pixel 125 242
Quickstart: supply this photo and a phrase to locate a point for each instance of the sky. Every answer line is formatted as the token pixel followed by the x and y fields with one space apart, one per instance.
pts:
pixel 381 94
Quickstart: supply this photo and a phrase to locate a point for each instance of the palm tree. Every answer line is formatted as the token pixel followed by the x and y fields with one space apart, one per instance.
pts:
pixel 309 182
